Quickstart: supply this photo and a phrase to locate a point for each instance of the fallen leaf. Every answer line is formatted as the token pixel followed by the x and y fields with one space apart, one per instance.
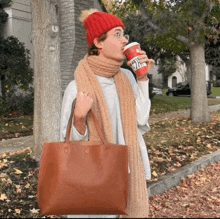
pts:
pixel 4 155
pixel 18 211
pixel 27 186
pixel 178 164
pixel 163 141
pixel 3 197
pixel 208 145
pixel 18 189
pixel 35 211
pixel 3 175
pixel 17 171
pixel 154 174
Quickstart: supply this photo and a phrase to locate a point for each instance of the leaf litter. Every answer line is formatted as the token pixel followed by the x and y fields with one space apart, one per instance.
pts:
pixel 171 144
pixel 18 185
pixel 174 143
pixel 198 196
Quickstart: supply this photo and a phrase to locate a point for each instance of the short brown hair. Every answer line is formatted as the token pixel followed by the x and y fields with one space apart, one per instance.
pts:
pixel 93 50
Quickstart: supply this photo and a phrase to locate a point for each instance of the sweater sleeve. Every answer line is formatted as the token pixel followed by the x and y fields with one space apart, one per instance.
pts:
pixel 68 98
pixel 143 103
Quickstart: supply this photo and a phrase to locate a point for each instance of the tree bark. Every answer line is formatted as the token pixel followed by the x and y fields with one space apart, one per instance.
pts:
pixel 188 72
pixel 199 110
pixel 47 78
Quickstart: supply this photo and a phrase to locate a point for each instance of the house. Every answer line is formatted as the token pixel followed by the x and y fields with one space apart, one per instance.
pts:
pixel 178 76
pixel 19 23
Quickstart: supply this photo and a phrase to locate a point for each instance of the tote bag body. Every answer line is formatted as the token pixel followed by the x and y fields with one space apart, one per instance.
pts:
pixel 83 177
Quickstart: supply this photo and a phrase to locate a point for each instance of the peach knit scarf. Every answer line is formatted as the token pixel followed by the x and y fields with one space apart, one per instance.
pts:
pixel 86 80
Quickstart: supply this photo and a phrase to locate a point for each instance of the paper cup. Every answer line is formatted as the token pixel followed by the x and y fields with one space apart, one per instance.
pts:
pixel 132 51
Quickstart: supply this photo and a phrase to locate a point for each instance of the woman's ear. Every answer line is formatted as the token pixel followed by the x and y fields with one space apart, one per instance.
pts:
pixel 98 44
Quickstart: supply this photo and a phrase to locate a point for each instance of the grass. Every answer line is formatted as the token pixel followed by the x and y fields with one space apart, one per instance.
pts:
pixel 15 127
pixel 216 91
pixel 165 104
pixel 23 125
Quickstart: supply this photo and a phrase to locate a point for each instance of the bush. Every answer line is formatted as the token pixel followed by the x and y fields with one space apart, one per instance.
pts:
pixel 22 103
pixel 216 83
pixel 151 94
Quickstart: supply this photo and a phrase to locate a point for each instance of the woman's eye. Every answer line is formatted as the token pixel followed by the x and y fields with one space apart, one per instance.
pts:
pixel 118 34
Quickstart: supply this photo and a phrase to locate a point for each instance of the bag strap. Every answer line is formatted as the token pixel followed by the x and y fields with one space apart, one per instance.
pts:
pixel 98 127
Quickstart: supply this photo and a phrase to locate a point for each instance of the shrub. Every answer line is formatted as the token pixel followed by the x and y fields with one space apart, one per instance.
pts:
pixel 216 83
pixel 22 103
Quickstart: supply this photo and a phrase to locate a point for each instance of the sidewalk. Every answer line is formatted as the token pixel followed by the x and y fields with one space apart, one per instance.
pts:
pixel 164 183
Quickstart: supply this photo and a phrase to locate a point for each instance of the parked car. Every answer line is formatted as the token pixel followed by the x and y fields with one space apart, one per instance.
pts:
pixel 157 91
pixel 182 89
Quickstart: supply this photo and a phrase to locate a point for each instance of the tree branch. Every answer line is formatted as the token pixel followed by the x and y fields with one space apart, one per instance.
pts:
pixel 183 39
pixel 213 29
pixel 145 17
pixel 197 26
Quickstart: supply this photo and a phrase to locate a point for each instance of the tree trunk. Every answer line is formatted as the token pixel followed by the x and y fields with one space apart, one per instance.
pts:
pixel 199 110
pixel 47 78
pixel 188 72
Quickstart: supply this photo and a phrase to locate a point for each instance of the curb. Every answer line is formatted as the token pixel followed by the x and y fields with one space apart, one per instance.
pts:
pixel 172 180
pixel 16 144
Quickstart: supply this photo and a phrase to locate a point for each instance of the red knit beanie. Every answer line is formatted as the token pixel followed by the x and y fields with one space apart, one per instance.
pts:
pixel 97 23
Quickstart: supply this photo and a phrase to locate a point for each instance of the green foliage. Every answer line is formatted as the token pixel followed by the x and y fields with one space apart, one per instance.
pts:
pixel 20 103
pixel 121 8
pixel 3 14
pixel 15 67
pixel 5 2
pixel 212 53
pixel 16 74
pixel 167 66
pixel 183 18
pixel 159 26
pixel 216 84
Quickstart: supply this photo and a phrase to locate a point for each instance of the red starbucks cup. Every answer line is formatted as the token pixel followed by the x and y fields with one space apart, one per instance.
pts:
pixel 132 51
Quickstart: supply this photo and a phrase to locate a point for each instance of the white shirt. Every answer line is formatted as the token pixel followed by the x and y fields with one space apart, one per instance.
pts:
pixel 143 104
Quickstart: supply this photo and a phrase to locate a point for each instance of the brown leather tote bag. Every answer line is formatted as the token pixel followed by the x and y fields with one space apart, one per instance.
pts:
pixel 83 177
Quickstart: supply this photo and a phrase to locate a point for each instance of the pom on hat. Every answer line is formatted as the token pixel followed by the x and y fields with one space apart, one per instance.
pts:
pixel 85 14
pixel 97 23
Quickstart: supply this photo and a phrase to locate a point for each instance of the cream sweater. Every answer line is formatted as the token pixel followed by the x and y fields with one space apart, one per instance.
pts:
pixel 143 104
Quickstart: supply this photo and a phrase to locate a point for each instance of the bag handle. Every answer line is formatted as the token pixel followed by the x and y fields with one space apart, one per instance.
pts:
pixel 98 128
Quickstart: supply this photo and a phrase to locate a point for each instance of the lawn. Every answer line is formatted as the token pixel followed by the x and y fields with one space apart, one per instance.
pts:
pixel 22 125
pixel 215 91
pixel 165 104
pixel 16 126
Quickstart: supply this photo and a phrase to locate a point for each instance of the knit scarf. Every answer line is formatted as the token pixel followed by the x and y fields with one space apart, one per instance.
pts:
pixel 86 80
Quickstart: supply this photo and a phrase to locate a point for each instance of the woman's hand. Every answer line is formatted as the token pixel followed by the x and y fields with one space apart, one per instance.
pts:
pixel 83 104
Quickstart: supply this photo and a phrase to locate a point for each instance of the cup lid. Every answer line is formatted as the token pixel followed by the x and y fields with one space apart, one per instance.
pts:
pixel 131 44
